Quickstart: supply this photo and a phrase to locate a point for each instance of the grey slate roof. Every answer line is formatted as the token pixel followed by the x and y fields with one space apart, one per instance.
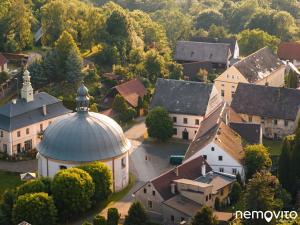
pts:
pixel 202 52
pixel 250 132
pixel 258 65
pixel 266 101
pixel 14 116
pixel 83 137
pixel 181 97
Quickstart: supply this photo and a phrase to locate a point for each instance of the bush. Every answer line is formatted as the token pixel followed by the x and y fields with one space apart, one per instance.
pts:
pixel 9 198
pixel 34 186
pixel 113 216
pixel 235 193
pixel 136 215
pixel 159 124
pixel 4 76
pixel 102 177
pixel 99 220
pixel 87 223
pixel 72 191
pixel 37 209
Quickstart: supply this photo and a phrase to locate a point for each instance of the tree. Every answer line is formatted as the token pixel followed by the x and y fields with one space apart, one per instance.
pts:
pixel 113 216
pixel 154 65
pixel 102 177
pixel 253 40
pixel 37 209
pixel 292 80
pixel 6 207
pixel 283 25
pixel 33 186
pixel 257 158
pixel 175 71
pixel 74 65
pixel 217 32
pixel 235 193
pixel 204 217
pixel 119 104
pixel 37 73
pixel 72 190
pixel 207 18
pixel 99 220
pixel 136 215
pixel 260 195
pixel 202 75
pixel 4 76
pixel 159 124
pixel 64 45
pixel 262 20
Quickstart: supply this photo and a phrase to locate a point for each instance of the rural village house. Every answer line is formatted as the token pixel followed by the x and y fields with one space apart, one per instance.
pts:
pixel 261 67
pixel 178 194
pixel 275 108
pixel 187 103
pixel 22 121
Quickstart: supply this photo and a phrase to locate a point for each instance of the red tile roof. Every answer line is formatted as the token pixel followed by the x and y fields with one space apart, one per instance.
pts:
pixel 289 50
pixel 190 170
pixel 131 91
pixel 3 60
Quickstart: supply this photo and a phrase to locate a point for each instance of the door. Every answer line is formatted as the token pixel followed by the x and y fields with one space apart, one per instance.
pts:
pixel 185 135
pixel 18 148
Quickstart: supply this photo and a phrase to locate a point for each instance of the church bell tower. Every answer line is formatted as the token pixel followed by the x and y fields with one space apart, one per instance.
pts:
pixel 27 90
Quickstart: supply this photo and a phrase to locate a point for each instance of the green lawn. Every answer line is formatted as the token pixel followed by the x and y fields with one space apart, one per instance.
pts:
pixel 273 146
pixel 8 180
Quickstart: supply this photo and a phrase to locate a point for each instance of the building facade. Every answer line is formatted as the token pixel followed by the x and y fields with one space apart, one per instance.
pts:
pixel 23 121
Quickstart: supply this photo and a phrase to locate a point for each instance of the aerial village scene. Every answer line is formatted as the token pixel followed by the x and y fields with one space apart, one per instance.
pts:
pixel 149 112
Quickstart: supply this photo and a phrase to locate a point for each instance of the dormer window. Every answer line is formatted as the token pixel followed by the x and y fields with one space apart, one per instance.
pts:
pixel 212 149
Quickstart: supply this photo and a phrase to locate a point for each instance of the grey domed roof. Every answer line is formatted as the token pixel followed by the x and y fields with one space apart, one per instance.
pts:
pixel 84 137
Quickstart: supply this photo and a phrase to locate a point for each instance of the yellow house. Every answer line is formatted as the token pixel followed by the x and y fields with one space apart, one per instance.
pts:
pixel 261 67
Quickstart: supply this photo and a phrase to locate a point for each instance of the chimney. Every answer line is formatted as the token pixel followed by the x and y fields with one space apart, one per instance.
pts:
pixel 14 101
pixel 173 188
pixel 44 110
pixel 176 171
pixel 203 169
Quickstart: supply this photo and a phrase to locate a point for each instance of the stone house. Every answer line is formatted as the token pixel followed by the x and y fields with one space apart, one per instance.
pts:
pixel 261 67
pixel 187 102
pixel 275 108
pixel 219 144
pixel 177 195
pixel 22 121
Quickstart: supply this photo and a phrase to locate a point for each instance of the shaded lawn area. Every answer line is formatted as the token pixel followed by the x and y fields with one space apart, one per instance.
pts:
pixel 8 180
pixel 274 146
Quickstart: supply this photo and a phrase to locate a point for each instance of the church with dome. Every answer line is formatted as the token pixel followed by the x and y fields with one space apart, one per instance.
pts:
pixel 83 137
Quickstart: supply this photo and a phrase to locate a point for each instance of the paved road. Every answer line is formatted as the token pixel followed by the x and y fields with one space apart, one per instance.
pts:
pixel 19 167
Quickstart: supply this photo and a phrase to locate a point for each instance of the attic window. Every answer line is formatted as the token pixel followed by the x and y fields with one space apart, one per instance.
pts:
pixel 212 149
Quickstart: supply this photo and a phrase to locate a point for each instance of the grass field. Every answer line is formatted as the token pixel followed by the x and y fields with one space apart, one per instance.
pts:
pixel 8 180
pixel 274 146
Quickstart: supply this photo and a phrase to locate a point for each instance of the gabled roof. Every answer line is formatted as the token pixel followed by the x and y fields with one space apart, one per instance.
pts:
pixel 202 52
pixel 22 113
pixel 190 170
pixel 182 97
pixel 131 91
pixel 266 101
pixel 258 65
pixel 231 41
pixel 191 69
pixel 214 129
pixel 3 60
pixel 250 132
pixel 289 50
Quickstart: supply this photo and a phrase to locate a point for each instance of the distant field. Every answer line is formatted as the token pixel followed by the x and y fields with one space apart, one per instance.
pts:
pixel 8 180
pixel 273 146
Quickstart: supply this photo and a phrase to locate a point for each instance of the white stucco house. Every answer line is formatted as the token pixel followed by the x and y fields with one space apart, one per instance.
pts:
pixel 219 145
pixel 23 120
pixel 187 102
pixel 84 137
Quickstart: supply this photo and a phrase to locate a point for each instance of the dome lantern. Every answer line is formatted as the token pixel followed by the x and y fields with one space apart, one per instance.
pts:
pixel 82 99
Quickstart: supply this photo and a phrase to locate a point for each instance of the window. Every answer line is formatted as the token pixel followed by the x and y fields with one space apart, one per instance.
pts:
pixel 174 119
pixel 49 123
pixel 27 130
pixel 209 196
pixel 221 170
pixel 232 76
pixel 41 127
pixel 233 87
pixel 174 131
pixel 153 193
pixel 234 171
pixel 19 134
pixel 5 148
pixel 182 219
pixel 220 158
pixel 123 162
pixel 145 190
pixel 232 93
pixel 286 123
pixel 28 145
pixel 222 84
pixel 206 198
pixel 250 119
pixel 222 191
pixel 212 149
pixel 1 133
pixel 222 93
pixel 62 167
pixel 197 121
pixel 185 120
pixel 205 157
pixel 275 122
pixel 195 132
pixel 262 119
pixel 172 218
pixel 150 204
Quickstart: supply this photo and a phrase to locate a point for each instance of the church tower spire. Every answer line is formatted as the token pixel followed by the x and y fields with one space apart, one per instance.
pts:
pixel 82 99
pixel 27 90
